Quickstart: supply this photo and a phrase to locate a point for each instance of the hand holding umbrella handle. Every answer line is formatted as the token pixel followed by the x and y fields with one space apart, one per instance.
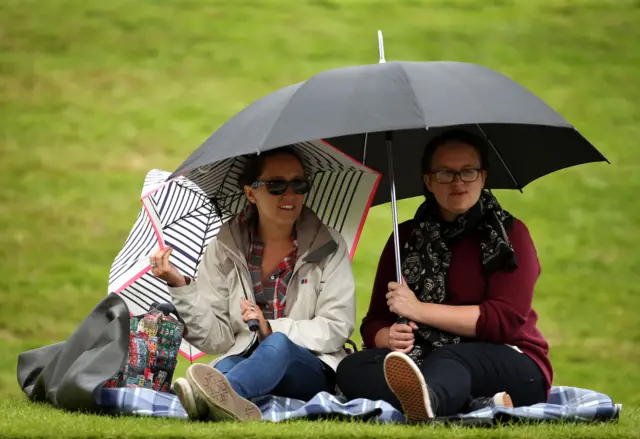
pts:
pixel 254 325
pixel 402 321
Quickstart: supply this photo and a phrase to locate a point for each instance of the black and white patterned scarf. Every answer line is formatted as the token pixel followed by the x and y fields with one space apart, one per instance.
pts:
pixel 426 257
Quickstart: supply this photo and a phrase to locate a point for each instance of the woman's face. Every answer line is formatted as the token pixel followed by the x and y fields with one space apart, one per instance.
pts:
pixel 279 203
pixel 456 178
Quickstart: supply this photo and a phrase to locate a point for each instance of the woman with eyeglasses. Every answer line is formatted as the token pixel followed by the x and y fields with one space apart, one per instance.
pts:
pixel 469 339
pixel 277 269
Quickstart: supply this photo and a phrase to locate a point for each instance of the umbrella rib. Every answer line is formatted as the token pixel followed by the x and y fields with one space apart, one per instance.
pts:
pixel 513 178
pixel 518 185
pixel 193 191
pixel 202 195
pixel 226 177
pixel 277 118
pixel 364 153
pixel 172 202
pixel 205 200
pixel 226 206
pixel 192 214
pixel 415 97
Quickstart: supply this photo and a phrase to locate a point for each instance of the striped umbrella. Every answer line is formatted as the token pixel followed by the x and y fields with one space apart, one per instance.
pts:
pixel 187 211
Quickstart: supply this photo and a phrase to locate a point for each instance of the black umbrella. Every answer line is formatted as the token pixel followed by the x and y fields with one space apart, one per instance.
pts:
pixel 383 114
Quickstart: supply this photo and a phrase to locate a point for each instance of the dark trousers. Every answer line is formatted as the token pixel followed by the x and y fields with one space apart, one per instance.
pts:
pixel 455 374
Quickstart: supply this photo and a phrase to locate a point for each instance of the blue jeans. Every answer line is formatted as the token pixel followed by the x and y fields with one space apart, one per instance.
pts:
pixel 277 366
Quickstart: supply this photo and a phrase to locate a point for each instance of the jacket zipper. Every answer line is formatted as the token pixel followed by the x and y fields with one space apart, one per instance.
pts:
pixel 296 268
pixel 246 269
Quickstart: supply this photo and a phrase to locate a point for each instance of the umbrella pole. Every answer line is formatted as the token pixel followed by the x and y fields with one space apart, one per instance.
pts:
pixel 394 214
pixel 392 187
pixel 394 206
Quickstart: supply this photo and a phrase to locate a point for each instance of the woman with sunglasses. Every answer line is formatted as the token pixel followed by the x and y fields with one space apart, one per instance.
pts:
pixel 275 265
pixel 469 339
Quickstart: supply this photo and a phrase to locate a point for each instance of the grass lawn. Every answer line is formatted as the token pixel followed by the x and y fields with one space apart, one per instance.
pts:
pixel 30 420
pixel 95 94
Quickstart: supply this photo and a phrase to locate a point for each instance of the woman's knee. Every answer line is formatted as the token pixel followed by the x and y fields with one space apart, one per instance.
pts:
pixel 347 376
pixel 346 367
pixel 354 362
pixel 357 367
pixel 226 364
pixel 279 342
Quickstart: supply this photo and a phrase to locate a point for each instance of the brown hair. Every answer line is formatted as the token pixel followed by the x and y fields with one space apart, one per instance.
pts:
pixel 255 164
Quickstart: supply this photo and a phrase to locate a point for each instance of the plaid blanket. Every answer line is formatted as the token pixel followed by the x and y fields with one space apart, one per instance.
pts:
pixel 565 404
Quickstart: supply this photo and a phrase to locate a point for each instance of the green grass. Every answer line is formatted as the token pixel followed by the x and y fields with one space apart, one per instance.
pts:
pixel 43 422
pixel 95 94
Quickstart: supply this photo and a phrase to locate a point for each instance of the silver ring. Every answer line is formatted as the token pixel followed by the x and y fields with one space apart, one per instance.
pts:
pixel 253 308
pixel 153 264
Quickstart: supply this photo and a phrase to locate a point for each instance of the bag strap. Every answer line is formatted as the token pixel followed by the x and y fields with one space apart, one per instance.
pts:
pixel 353 345
pixel 169 308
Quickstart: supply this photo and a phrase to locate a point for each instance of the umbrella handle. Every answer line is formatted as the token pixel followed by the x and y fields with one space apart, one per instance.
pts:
pixel 254 325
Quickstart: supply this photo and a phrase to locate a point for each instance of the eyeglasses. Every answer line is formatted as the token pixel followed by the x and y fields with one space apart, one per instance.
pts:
pixel 448 176
pixel 279 186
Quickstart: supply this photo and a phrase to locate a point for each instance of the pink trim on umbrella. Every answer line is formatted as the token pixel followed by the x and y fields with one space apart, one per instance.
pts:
pixel 364 217
pixel 155 227
pixel 128 283
pixel 349 157
pixel 191 358
pixel 369 202
pixel 153 191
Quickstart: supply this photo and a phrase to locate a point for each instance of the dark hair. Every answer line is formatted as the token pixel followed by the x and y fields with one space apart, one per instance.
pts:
pixel 478 143
pixel 255 164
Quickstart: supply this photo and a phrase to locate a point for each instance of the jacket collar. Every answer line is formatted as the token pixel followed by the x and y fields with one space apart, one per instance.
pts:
pixel 314 239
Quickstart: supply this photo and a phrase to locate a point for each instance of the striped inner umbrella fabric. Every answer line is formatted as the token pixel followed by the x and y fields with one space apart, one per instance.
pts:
pixel 188 211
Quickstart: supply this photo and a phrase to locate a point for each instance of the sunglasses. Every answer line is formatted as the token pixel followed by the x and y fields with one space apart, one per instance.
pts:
pixel 279 186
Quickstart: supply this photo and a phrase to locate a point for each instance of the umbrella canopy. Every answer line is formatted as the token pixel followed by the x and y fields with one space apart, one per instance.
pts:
pixel 186 212
pixel 354 109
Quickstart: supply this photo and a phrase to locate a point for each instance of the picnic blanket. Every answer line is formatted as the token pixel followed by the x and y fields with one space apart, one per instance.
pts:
pixel 70 375
pixel 568 404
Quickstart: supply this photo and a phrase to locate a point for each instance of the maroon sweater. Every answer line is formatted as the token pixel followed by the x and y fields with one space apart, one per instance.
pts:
pixel 506 315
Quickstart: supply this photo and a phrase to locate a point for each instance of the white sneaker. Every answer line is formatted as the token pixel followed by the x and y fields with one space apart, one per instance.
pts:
pixel 195 406
pixel 224 403
pixel 501 399
pixel 407 382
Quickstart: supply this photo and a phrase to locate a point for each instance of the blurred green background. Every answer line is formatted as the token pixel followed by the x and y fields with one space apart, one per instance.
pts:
pixel 95 94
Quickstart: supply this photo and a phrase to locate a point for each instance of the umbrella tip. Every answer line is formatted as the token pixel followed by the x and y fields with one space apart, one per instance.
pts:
pixel 381 47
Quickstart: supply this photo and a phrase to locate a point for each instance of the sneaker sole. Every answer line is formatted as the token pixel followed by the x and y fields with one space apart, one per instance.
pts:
pixel 406 381
pixel 224 403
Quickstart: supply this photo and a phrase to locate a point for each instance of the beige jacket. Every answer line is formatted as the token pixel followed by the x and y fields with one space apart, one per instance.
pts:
pixel 320 313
